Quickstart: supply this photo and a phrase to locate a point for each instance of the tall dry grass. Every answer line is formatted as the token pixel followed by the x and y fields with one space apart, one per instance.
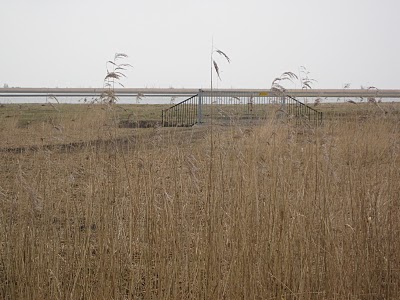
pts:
pixel 292 213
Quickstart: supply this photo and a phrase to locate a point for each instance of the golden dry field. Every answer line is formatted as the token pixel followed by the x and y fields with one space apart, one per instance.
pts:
pixel 94 207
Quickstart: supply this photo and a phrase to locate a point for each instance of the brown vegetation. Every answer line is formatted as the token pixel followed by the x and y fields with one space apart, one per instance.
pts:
pixel 275 211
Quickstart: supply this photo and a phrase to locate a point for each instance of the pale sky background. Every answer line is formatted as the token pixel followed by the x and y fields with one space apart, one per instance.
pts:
pixel 60 43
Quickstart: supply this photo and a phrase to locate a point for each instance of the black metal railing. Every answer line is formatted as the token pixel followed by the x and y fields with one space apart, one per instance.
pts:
pixel 302 112
pixel 234 107
pixel 183 114
pixel 226 108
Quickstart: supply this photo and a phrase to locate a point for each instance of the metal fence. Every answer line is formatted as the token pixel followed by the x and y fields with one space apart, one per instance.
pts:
pixel 183 114
pixel 301 112
pixel 232 107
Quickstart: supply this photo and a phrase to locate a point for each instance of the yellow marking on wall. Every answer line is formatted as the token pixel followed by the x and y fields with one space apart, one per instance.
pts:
pixel 263 94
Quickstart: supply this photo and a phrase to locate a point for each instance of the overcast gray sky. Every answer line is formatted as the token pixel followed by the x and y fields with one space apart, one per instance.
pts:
pixel 60 43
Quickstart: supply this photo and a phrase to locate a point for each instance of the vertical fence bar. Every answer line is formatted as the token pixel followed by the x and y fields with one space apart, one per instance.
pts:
pixel 200 107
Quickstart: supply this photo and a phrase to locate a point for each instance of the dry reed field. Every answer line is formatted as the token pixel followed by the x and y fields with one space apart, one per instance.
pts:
pixel 90 210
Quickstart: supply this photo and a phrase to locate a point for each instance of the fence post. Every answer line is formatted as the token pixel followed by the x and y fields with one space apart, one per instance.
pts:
pixel 283 106
pixel 199 107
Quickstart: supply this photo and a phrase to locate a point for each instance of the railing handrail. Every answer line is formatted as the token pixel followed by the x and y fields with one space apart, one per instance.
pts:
pixel 180 103
pixel 301 103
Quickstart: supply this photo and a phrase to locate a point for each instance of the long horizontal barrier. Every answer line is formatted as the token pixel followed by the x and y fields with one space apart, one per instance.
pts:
pixel 155 92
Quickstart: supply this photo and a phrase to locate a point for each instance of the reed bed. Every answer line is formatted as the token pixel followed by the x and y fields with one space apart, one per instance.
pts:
pixel 275 211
